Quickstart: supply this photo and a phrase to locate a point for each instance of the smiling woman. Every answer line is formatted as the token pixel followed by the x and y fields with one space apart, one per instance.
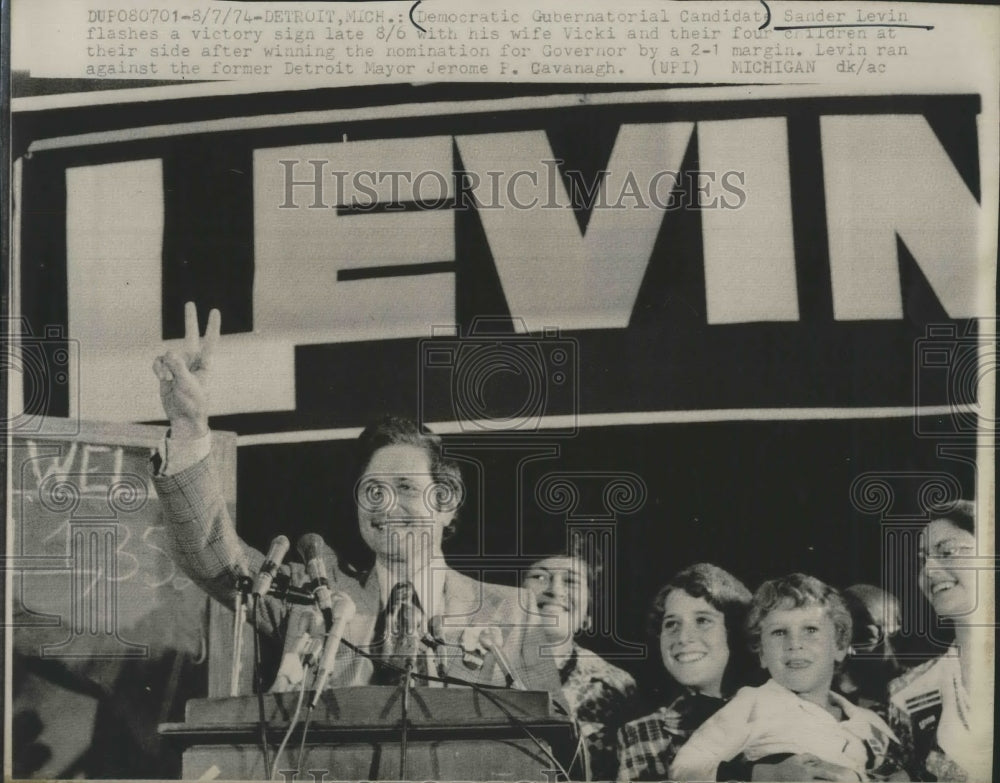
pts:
pixel 933 708
pixel 598 693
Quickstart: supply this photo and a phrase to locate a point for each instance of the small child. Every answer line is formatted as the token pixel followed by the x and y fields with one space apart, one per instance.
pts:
pixel 801 629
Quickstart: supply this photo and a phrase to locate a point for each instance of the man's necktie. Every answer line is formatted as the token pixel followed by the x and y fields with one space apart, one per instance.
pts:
pixel 404 627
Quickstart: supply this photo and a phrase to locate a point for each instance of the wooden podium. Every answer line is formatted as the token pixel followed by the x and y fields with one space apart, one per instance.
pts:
pixel 354 734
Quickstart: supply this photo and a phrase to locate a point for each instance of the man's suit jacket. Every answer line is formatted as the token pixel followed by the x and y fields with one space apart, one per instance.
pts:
pixel 208 549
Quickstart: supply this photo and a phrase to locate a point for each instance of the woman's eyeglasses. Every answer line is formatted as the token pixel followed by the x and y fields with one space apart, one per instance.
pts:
pixel 946 550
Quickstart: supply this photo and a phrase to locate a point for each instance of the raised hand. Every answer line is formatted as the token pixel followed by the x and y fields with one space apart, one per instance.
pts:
pixel 184 375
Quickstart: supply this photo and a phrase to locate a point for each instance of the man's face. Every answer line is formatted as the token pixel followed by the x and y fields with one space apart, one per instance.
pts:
pixel 798 646
pixel 397 514
pixel 559 585
pixel 877 617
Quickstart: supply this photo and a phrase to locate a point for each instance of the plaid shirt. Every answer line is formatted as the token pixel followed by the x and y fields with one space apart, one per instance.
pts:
pixel 647 746
pixel 598 694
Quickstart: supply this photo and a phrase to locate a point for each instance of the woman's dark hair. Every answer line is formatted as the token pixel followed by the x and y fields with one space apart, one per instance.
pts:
pixel 727 594
pixel 961 513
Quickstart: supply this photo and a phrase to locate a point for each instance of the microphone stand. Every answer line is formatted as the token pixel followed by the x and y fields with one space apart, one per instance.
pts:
pixel 243 585
pixel 259 682
pixel 406 685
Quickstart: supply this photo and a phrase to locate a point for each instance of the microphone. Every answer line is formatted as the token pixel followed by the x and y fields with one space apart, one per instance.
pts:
pixel 434 638
pixel 472 652
pixel 311 547
pixel 491 639
pixel 294 663
pixel 234 553
pixel 343 612
pixel 277 552
pixel 473 649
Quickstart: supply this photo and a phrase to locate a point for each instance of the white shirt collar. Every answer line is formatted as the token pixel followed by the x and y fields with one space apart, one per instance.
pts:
pixel 778 689
pixel 851 711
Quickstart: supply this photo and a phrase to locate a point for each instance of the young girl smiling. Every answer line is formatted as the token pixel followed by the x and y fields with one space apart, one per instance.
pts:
pixel 697 618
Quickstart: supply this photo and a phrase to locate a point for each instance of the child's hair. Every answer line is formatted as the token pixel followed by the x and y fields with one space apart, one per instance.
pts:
pixel 794 591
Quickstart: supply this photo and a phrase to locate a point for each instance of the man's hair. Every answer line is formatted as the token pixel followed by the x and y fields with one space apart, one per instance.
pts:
pixel 724 592
pixel 795 591
pixel 871 605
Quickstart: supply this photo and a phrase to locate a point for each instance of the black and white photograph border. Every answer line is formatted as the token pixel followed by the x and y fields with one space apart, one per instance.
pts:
pixel 657 349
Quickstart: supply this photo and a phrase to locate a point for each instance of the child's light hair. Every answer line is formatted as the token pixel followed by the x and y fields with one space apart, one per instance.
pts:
pixel 794 591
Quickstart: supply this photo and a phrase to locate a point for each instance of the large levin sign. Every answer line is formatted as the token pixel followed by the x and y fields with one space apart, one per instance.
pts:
pixel 800 245
pixel 341 227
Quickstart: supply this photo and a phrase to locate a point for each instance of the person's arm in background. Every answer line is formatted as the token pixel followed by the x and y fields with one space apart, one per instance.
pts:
pixel 524 644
